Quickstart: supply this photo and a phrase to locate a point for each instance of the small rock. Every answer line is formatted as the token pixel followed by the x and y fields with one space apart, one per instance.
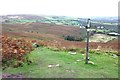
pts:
pixel 90 62
pixel 83 54
pixel 69 52
pixel 114 56
pixel 50 66
pixel 68 70
pixel 85 58
pixel 35 45
pixel 72 71
pixel 73 53
pixel 57 65
pixel 78 60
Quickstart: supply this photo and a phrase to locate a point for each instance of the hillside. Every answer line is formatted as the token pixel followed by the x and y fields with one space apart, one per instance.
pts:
pixel 35 49
pixel 53 35
pixel 40 29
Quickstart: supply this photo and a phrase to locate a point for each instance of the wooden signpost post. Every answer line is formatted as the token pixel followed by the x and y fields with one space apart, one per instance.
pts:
pixel 87 43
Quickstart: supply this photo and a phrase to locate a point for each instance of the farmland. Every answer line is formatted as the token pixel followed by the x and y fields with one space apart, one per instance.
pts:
pixel 52 58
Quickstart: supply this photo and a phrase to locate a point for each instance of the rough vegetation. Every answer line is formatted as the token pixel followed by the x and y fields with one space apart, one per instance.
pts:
pixel 14 50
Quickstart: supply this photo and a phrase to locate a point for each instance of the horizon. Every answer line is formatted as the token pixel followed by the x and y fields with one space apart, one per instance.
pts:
pixel 73 8
pixel 61 16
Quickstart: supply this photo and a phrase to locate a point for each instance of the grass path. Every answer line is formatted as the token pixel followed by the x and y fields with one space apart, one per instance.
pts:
pixel 105 66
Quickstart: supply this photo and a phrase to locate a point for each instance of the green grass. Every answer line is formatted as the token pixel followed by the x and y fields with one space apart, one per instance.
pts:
pixel 105 65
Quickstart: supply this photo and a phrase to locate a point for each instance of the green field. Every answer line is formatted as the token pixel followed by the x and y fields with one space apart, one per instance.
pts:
pixel 70 66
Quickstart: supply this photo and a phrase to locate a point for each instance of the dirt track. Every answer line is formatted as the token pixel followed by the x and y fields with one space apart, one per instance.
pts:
pixel 12 76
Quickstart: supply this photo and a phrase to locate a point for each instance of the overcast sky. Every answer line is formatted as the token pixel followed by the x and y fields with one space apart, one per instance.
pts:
pixel 76 8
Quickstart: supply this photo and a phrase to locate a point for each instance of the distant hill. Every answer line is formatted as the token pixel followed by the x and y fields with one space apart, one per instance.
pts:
pixel 109 23
pixel 27 17
pixel 59 18
pixel 106 19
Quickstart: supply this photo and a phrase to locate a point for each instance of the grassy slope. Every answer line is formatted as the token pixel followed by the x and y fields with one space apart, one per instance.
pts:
pixel 105 66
